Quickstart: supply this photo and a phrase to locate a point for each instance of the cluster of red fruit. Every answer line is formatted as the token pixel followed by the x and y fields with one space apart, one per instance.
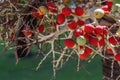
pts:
pixel 87 36
pixel 90 37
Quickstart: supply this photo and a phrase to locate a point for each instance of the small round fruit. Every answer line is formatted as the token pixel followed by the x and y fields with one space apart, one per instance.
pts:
pixel 66 11
pixel 89 28
pixel 93 41
pixel 81 41
pixel 60 18
pixel 99 30
pixel 117 56
pixel 27 31
pixel 69 43
pixel 42 10
pixel 83 56
pixel 99 13
pixel 112 40
pixel 77 33
pixel 80 22
pixel 109 51
pixel 88 50
pixel 52 7
pixel 102 42
pixel 41 28
pixel 79 11
pixel 72 25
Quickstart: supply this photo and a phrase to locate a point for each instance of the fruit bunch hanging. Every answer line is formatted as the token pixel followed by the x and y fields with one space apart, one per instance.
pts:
pixel 68 29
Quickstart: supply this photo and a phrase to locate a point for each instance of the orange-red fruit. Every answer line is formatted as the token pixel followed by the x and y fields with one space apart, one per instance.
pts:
pixel 99 30
pixel 60 18
pixel 109 51
pixel 41 28
pixel 52 7
pixel 84 56
pixel 77 32
pixel 102 42
pixel 79 11
pixel 80 22
pixel 109 3
pixel 89 28
pixel 106 9
pixel 112 40
pixel 27 31
pixel 69 43
pixel 35 14
pixel 72 25
pixel 93 41
pixel 66 11
pixel 105 32
pixel 65 0
pixel 88 50
pixel 117 56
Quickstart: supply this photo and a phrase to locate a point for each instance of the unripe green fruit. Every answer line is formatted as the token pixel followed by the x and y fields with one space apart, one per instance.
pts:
pixel 81 41
pixel 99 13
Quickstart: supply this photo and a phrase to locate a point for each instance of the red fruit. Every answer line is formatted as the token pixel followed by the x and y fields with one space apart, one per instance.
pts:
pixel 60 18
pixel 109 3
pixel 37 15
pixel 41 28
pixel 102 42
pixel 27 31
pixel 52 7
pixel 65 0
pixel 84 56
pixel 117 56
pixel 105 7
pixel 79 11
pixel 93 41
pixel 109 51
pixel 105 32
pixel 77 32
pixel 89 28
pixel 80 22
pixel 112 40
pixel 69 43
pixel 66 11
pixel 88 50
pixel 72 25
pixel 99 30
pixel 87 37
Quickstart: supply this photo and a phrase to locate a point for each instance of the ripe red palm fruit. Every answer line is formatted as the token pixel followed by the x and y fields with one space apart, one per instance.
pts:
pixel 66 11
pixel 89 28
pixel 52 7
pixel 27 31
pixel 60 18
pixel 109 3
pixel 72 25
pixel 117 56
pixel 83 56
pixel 41 28
pixel 112 40
pixel 88 50
pixel 109 51
pixel 80 22
pixel 99 30
pixel 77 32
pixel 93 41
pixel 102 42
pixel 79 11
pixel 69 43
